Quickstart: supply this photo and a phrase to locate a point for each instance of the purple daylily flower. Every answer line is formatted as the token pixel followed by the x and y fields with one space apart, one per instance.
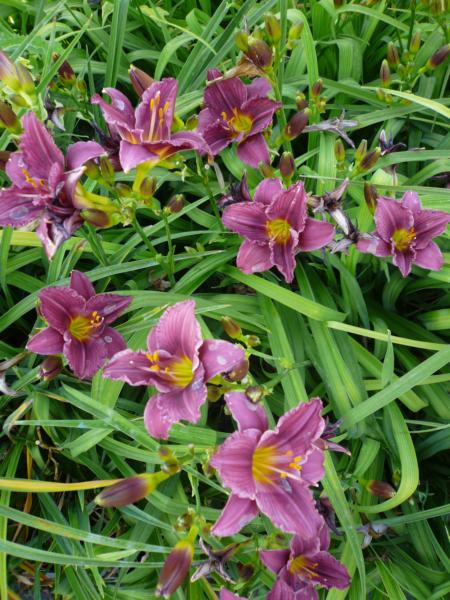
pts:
pixel 227 595
pixel 306 564
pixel 178 363
pixel 270 471
pixel 145 133
pixel 276 228
pixel 404 230
pixel 43 184
pixel 240 113
pixel 79 325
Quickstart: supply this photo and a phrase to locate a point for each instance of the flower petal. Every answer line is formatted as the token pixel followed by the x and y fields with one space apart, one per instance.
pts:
pixel 120 111
pixel 290 205
pixel 253 150
pixel 189 140
pixel 258 88
pixel 247 219
pixel 19 206
pixel 47 341
pixel 132 155
pixel 283 256
pixel 328 572
pixel 429 224
pixel 225 95
pixel 411 200
pixel 85 358
pixel 235 515
pixel 234 460
pixel 114 341
pixel 404 261
pixel 274 560
pixel 254 257
pixel 58 305
pixel 261 111
pixel 131 367
pixel 247 414
pixel 80 152
pixel 109 306
pixel 39 150
pixel 154 114
pixel 429 257
pixel 267 191
pixel 374 245
pixel 219 356
pixel 283 591
pixel 217 137
pixel 390 215
pixel 312 469
pixel 81 284
pixel 316 234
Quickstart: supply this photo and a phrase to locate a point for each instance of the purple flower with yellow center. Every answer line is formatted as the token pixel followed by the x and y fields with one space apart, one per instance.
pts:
pixel 43 184
pixel 178 364
pixel 239 113
pixel 276 227
pixel 270 470
pixel 306 564
pixel 405 231
pixel 145 134
pixel 79 325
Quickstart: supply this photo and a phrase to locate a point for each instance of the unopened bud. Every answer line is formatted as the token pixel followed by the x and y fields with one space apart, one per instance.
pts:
pixel 130 490
pixel 231 328
pixel 255 393
pixel 380 489
pixel 18 100
pixel 414 46
pixel 140 80
pixel 370 159
pixel 259 53
pixel 8 118
pixel 15 75
pixel 316 89
pixel 91 170
pixel 50 368
pixel 191 122
pixel 66 73
pixel 147 187
pixel 339 151
pixel 177 566
pixel 273 28
pixel 295 31
pixel 176 203
pixel 213 393
pixel 296 124
pixel 385 74
pixel 300 101
pixel 287 165
pixel 437 7
pixel 123 190
pixel 106 169
pixel 361 151
pixel 171 464
pixel 392 55
pixel 238 372
pixel 439 57
pixel 371 196
pixel 266 170
pixel 252 341
pixel 241 40
pixel 4 157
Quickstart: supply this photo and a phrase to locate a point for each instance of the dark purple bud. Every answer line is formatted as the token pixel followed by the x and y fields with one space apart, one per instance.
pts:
pixel 325 508
pixel 339 151
pixel 371 196
pixel 50 368
pixel 245 571
pixel 296 124
pixel 259 53
pixel 130 490
pixel 385 74
pixel 140 80
pixel 241 40
pixel 231 328
pixel 392 55
pixel 300 101
pixel 176 203
pixel 380 489
pixel 273 28
pixel 176 567
pixel 238 372
pixel 439 57
pixel 287 165
pixel 370 159
pixel 255 393
pixel 316 89
pixel 252 341
pixel 66 73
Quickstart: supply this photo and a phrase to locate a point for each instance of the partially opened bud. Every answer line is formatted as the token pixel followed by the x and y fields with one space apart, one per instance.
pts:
pixel 8 118
pixel 414 46
pixel 393 57
pixel 439 57
pixel 380 489
pixel 385 74
pixel 339 151
pixel 287 165
pixel 231 328
pixel 171 464
pixel 241 40
pixel 255 393
pixel 437 7
pixel 259 53
pixel 50 368
pixel 176 203
pixel 273 28
pixel 371 196
pixel 177 566
pixel 130 490
pixel 15 76
pixel 140 80
pixel 123 190
pixel 296 124
pixel 252 341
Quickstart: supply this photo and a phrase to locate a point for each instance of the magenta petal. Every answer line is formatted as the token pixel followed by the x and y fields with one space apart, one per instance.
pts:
pixel 429 257
pixel 14 170
pixel 227 595
pixel 328 572
pixel 217 137
pixel 290 506
pixel 306 545
pixel 156 122
pixel 283 256
pixel 39 150
pixel 81 284
pixel 248 219
pixel 254 150
pixel 218 356
pixel 85 358
pixel 258 88
pixel 316 234
pixel 254 257
pixel 404 261
pixel 58 305
pixel 274 560
pixel 267 191
pixel 225 95
pixel 290 205
pixel 248 415
pixel 131 367
pixel 132 155
pixel 235 515
pixel 429 224
pixel 187 140
pixel 411 200
pixel 390 215
pixel 17 208
pixel 313 470
pixel 120 111
pixel 374 245
pixel 114 342
pixel 47 341
pixel 109 306
pixel 80 152
pixel 261 111
pixel 234 460
pixel 163 410
pixel 283 591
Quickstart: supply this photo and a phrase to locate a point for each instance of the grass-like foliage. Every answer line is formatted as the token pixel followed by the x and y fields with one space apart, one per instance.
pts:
pixel 263 185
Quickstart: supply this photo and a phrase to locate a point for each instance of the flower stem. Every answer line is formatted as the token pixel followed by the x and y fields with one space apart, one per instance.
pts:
pixel 170 253
pixel 140 231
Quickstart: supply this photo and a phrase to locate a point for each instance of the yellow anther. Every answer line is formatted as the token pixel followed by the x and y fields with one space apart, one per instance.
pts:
pixel 166 106
pixel 289 453
pixel 298 458
pixel 152 104
pixel 224 115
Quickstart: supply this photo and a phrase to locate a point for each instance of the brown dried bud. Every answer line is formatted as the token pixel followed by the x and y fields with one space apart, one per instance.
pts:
pixel 392 55
pixel 50 368
pixel 273 28
pixel 370 159
pixel 439 57
pixel 380 489
pixel 130 490
pixel 140 80
pixel 255 393
pixel 339 151
pixel 176 203
pixel 385 74
pixel 238 372
pixel 259 53
pixel 231 328
pixel 371 196
pixel 241 40
pixel 296 124
pixel 4 157
pixel 287 165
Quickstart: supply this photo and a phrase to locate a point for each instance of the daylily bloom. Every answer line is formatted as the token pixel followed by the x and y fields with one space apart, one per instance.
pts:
pixel 227 595
pixel 79 325
pixel 304 566
pixel 404 230
pixel 145 134
pixel 178 363
pixel 43 184
pixel 240 113
pixel 276 228
pixel 270 470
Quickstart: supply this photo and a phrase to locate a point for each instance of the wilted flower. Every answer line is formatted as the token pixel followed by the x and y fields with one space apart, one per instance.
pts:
pixel 177 566
pixel 130 490
pixel 145 134
pixel 305 565
pixel 372 531
pixel 240 113
pixel 276 228
pixel 404 230
pixel 178 363
pixel 326 510
pixel 216 561
pixel 259 53
pixel 41 188
pixel 239 192
pixel 78 324
pixel 270 470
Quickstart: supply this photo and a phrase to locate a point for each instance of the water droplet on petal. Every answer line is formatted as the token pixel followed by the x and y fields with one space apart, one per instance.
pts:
pixel 221 360
pixel 19 213
pixel 108 339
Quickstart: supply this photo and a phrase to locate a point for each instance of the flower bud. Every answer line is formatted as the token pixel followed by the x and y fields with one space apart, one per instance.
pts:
pixel 385 74
pixel 18 100
pixel 91 170
pixel 380 489
pixel 66 73
pixel 147 187
pixel 252 341
pixel 392 55
pixel 255 393
pixel 106 169
pixel 370 159
pixel 287 165
pixel 4 157
pixel 130 490
pixel 8 118
pixel 140 80
pixel 213 393
pixel 259 53
pixel 439 57
pixel 296 124
pixel 231 328
pixel 241 40
pixel 177 566
pixel 371 196
pixel 123 190
pixel 414 46
pixel 339 151
pixel 50 368
pixel 295 31
pixel 360 151
pixel 238 372
pixel 171 464
pixel 300 101
pixel 273 28
pixel 176 203
pixel 316 89
pixel 266 170
pixel 191 122
pixel 15 76
pixel 437 7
